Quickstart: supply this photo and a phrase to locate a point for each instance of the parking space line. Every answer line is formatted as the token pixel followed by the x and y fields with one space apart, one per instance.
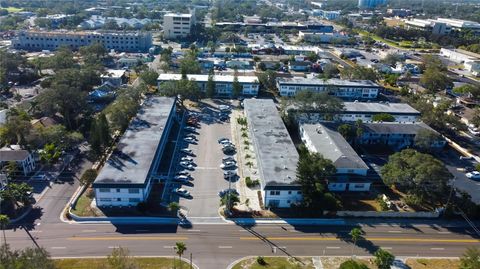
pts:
pixel 224 246
pixel 168 247
pixel 333 247
pixel 437 248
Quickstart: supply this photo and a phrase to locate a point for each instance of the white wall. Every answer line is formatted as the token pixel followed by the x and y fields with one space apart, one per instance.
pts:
pixel 345 92
pixel 284 198
pixel 111 197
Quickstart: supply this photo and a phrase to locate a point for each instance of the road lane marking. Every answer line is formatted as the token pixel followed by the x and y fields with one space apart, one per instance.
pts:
pixel 58 247
pixel 89 231
pixel 168 247
pixel 113 246
pixel 437 248
pixel 193 231
pixel 150 238
pixel 224 246
pixel 368 239
pixel 395 231
pixel 333 247
pixel 206 168
pixel 386 248
pixel 36 231
pixel 444 232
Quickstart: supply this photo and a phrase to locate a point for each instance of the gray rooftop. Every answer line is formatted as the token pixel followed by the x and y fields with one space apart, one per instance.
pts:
pixel 138 146
pixel 327 82
pixel 395 128
pixel 331 144
pixel 379 107
pixel 276 154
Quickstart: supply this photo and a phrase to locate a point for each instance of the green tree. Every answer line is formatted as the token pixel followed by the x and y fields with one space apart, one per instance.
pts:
pixel 385 117
pixel 359 72
pixel 267 80
pixel 435 80
pixel 346 131
pixel 180 248
pixel 88 177
pixel 50 153
pixel 121 259
pixel 330 70
pixel 4 221
pixel 355 234
pixel 11 169
pixel 421 174
pixel 29 258
pixel 425 138
pixel 16 129
pixel 236 86
pixel 322 102
pixel 229 201
pixel 470 259
pixel 149 77
pixel 351 264
pixel 469 90
pixel 383 259
pixel 210 87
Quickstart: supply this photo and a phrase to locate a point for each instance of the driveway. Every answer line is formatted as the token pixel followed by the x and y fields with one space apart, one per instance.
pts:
pixel 208 177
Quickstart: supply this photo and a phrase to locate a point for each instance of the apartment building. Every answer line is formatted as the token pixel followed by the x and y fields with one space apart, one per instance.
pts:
pixel 24 159
pixel 276 155
pixel 223 83
pixel 347 89
pixel 370 4
pixel 51 40
pixel 176 25
pixel 128 175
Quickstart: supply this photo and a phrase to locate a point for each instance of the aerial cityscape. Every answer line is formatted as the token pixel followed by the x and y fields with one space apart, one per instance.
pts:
pixel 248 134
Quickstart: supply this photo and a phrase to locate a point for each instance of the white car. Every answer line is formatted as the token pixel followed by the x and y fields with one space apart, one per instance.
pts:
pixel 223 140
pixel 224 108
pixel 228 174
pixel 190 135
pixel 187 159
pixel 228 159
pixel 227 164
pixel 181 192
pixel 182 173
pixel 186 165
pixel 190 140
pixel 185 179
pixel 473 175
pixel 187 151
pixel 189 128
pixel 228 144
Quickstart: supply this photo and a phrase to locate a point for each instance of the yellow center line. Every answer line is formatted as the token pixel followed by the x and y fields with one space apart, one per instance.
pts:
pixel 127 238
pixel 426 240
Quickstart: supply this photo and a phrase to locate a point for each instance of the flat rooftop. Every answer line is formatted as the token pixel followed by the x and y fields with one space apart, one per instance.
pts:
pixel 276 154
pixel 204 78
pixel 379 107
pixel 330 143
pixel 396 128
pixel 137 149
pixel 328 82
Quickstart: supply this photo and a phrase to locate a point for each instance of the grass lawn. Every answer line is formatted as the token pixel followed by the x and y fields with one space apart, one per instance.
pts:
pixel 144 263
pixel 13 9
pixel 82 208
pixel 335 262
pixel 432 263
pixel 276 262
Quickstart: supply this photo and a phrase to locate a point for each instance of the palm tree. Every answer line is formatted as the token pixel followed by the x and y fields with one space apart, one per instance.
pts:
pixel 4 221
pixel 355 233
pixel 180 248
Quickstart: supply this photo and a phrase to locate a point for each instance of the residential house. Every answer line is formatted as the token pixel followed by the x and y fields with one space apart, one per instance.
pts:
pixel 23 158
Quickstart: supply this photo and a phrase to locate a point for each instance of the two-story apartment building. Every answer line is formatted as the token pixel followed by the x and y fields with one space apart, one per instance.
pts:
pixel 24 159
pixel 347 89
pixel 33 40
pixel 223 83
pixel 351 169
pixel 128 175
pixel 276 155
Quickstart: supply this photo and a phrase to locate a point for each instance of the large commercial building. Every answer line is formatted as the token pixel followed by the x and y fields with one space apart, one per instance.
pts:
pixel 320 37
pixel 351 169
pixel 370 4
pixel 435 27
pixel 276 155
pixel 223 83
pixel 327 14
pixel 129 173
pixel 348 89
pixel 177 25
pixel 51 40
pixel 364 111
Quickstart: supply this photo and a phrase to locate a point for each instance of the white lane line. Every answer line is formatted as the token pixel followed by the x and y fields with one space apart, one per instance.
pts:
pixel 282 247
pixel 168 247
pixel 207 168
pixel 444 232
pixel 333 247
pixel 58 247
pixel 437 248
pixel 242 230
pixel 386 248
pixel 398 232
pixel 113 246
pixel 193 230
pixel 36 231
pixel 224 246
pixel 89 231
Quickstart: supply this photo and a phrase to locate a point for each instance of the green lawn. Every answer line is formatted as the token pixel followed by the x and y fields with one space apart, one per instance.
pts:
pixel 275 263
pixel 13 9
pixel 82 208
pixel 144 263
pixel 432 263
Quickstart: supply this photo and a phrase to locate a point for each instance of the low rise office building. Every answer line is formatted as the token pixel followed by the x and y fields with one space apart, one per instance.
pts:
pixel 127 177
pixel 176 25
pixel 348 89
pixel 51 40
pixel 223 83
pixel 276 155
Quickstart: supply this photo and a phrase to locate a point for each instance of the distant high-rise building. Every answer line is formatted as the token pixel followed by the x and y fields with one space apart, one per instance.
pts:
pixel 369 4
pixel 177 25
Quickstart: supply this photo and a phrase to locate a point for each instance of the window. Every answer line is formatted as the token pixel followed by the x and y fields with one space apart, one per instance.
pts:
pixel 274 192
pixel 104 190
pixel 289 192
pixel 118 190
pixel 299 192
pixel 133 190
pixel 119 199
pixel 105 200
pixel 134 200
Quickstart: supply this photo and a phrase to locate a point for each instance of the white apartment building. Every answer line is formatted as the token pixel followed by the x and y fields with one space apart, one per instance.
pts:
pixel 177 25
pixel 128 175
pixel 223 83
pixel 348 89
pixel 51 40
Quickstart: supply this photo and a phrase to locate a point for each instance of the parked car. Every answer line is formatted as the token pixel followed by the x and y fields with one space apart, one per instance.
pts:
pixel 183 173
pixel 186 165
pixel 182 192
pixel 466 157
pixel 186 159
pixel 226 191
pixel 473 175
pixel 224 117
pixel 190 128
pixel 185 179
pixel 227 165
pixel 228 149
pixel 224 108
pixel 190 140
pixel 228 174
pixel 187 151
pixel 398 264
pixel 469 168
pixel 39 177
pixel 191 136
pixel 223 140
pixel 228 159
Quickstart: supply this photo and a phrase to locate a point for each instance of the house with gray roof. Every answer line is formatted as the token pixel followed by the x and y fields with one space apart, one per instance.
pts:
pixel 128 175
pixel 275 152
pixel 351 169
pixel 23 158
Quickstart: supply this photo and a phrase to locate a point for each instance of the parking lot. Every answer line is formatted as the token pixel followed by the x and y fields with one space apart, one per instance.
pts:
pixel 207 175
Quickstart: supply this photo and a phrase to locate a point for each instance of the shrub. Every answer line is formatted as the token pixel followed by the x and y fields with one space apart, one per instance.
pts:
pixel 247 156
pixel 382 203
pixel 242 121
pixel 412 200
pixel 261 261
pixel 88 176
pixel 251 183
pixel 351 264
